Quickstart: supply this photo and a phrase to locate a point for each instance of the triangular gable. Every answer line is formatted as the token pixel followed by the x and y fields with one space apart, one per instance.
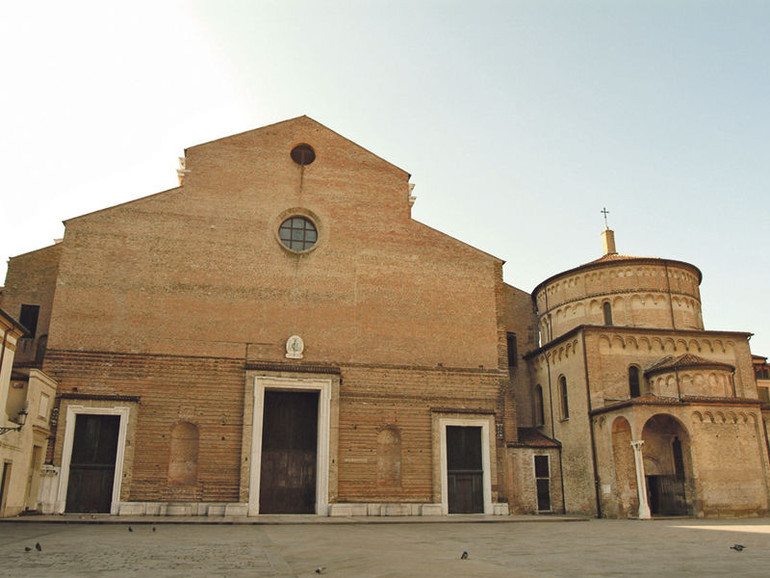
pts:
pixel 300 119
pixel 296 120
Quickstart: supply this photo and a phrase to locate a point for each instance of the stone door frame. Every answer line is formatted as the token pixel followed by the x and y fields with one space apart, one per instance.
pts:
pixel 324 389
pixel 69 438
pixel 483 423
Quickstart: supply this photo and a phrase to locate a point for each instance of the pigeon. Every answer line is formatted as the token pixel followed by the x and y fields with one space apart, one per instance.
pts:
pixel 130 529
pixel 738 547
pixel 320 570
pixel 27 549
pixel 153 528
pixel 38 547
pixel 464 556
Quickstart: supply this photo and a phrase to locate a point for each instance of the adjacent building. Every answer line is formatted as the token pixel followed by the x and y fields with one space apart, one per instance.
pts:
pixel 26 399
pixel 278 335
pixel 655 414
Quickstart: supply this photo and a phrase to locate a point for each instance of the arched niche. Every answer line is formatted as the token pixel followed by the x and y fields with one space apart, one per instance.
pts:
pixel 183 455
pixel 389 457
pixel 625 468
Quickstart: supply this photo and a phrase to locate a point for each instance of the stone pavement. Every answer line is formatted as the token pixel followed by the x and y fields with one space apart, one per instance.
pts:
pixel 543 547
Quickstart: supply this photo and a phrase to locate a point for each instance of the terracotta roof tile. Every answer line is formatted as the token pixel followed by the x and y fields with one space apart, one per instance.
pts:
pixel 618 257
pixel 686 360
pixel 532 438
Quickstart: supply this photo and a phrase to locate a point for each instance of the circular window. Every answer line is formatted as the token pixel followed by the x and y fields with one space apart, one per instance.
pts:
pixel 303 154
pixel 298 233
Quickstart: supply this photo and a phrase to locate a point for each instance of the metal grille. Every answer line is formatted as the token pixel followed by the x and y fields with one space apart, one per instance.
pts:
pixel 298 233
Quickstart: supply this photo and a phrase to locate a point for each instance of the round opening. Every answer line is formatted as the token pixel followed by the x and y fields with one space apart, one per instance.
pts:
pixel 298 233
pixel 303 154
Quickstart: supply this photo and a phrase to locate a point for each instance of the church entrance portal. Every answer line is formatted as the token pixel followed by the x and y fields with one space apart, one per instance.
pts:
pixel 666 463
pixel 465 473
pixel 92 466
pixel 289 452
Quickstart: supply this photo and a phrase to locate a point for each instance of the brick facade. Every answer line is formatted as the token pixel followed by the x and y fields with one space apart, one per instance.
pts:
pixel 171 305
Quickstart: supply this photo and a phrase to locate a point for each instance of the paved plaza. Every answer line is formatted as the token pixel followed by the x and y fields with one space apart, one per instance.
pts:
pixel 679 547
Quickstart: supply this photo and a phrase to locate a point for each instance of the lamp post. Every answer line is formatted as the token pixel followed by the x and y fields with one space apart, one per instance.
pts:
pixel 21 419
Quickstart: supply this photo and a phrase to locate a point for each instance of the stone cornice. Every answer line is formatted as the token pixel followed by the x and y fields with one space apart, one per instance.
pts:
pixel 688 400
pixel 619 329
pixel 100 397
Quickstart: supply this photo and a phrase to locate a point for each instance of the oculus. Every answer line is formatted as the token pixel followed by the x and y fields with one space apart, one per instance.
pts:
pixel 303 154
pixel 298 234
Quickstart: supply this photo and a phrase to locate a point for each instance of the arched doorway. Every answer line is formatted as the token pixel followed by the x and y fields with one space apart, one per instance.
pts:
pixel 667 465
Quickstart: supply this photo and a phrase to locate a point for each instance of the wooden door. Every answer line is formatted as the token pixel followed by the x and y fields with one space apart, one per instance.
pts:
pixel 465 474
pixel 289 446
pixel 543 483
pixel 92 466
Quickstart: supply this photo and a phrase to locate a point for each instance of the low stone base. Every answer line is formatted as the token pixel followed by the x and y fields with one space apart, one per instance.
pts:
pixel 352 510
pixel 181 509
pixel 346 510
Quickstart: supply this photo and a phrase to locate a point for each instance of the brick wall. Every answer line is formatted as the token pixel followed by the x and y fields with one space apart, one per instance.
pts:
pixel 31 280
pixel 209 393
pixel 199 271
pixel 205 392
pixel 373 399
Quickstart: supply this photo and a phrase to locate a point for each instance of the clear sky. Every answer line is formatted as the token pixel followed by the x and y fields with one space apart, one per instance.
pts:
pixel 518 120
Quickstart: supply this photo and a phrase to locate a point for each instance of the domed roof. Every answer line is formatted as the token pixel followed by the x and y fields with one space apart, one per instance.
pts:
pixel 615 257
pixel 611 259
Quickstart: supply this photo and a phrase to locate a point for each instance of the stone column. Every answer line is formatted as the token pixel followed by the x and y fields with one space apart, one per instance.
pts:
pixel 641 482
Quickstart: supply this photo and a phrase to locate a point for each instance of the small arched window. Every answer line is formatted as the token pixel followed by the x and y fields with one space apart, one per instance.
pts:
pixel 563 396
pixel 539 411
pixel 607 313
pixel 633 381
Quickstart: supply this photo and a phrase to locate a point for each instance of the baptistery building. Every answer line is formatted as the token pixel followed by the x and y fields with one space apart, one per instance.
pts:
pixel 654 414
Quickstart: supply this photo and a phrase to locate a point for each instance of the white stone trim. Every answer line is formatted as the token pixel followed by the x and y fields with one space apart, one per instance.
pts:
pixel 443 422
pixel 641 480
pixel 184 509
pixel 69 437
pixel 324 387
pixel 240 510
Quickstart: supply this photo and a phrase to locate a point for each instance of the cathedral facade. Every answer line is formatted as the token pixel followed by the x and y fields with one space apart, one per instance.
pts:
pixel 277 335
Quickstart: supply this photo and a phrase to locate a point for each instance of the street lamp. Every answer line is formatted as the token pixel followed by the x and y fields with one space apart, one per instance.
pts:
pixel 21 419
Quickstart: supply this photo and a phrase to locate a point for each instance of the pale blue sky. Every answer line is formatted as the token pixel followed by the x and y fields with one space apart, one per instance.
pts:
pixel 518 120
